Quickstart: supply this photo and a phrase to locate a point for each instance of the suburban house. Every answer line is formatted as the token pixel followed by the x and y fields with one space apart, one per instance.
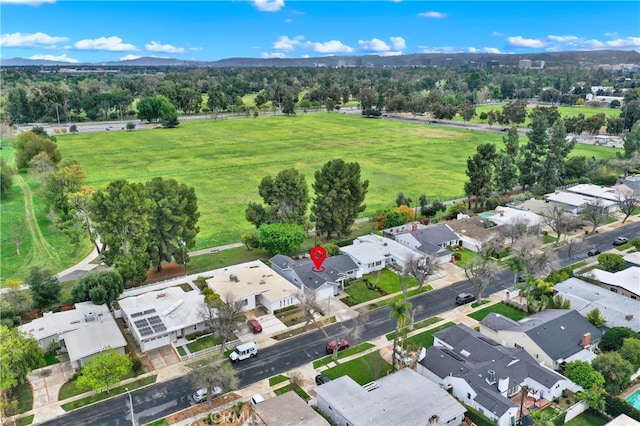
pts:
pixel 489 377
pixel 159 318
pixel 287 409
pixel 252 284
pixel 617 310
pixel 401 398
pixel 503 215
pixel 625 282
pixel 473 231
pixel 576 197
pixel 82 332
pixel 430 240
pixel 536 206
pixel 326 282
pixel 373 253
pixel 553 336
pixel 632 182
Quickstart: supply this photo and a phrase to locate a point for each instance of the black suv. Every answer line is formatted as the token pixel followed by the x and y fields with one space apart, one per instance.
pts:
pixel 464 298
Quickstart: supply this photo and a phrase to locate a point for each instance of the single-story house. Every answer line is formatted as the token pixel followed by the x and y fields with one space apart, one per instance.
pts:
pixel 632 182
pixel 625 282
pixel 430 240
pixel 83 332
pixel 553 336
pixel 401 398
pixel 473 231
pixel 576 203
pixel 373 253
pixel 489 377
pixel 617 310
pixel 504 215
pixel 327 282
pixel 159 318
pixel 536 206
pixel 600 192
pixel 252 284
pixel 287 409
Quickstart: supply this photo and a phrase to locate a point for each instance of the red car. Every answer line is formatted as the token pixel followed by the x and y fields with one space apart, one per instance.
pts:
pixel 344 344
pixel 254 326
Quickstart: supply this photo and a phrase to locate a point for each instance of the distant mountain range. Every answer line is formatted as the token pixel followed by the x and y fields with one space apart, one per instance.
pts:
pixel 551 59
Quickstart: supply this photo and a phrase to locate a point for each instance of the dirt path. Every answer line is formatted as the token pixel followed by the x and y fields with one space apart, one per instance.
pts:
pixel 42 250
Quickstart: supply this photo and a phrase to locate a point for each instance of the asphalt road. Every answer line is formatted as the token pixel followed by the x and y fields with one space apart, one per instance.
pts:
pixel 165 398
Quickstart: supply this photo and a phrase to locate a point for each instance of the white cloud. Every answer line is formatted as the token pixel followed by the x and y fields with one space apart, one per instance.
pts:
pixel 287 44
pixel 375 44
pixel 432 14
pixel 519 41
pixel 130 57
pixel 563 39
pixel 497 34
pixel 166 48
pixel 472 50
pixel 30 40
pixel 266 55
pixel 441 49
pixel 390 53
pixel 332 46
pixel 622 43
pixel 112 43
pixel 398 43
pixel 268 5
pixel 491 50
pixel 61 58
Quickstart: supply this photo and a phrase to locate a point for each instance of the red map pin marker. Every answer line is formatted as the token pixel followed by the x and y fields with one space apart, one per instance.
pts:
pixel 318 255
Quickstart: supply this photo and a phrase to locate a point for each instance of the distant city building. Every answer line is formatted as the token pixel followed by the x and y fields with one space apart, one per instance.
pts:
pixel 524 63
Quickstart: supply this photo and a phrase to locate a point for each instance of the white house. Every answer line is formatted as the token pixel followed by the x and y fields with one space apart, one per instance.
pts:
pixel 83 332
pixel 429 240
pixel 401 398
pixel 575 203
pixel 510 216
pixel 625 282
pixel 252 284
pixel 373 253
pixel 159 318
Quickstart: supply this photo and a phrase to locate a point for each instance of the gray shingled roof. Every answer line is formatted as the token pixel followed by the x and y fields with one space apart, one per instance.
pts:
pixel 333 266
pixel 498 322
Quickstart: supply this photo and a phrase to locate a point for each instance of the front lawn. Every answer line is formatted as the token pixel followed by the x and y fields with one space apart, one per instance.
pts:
pixel 359 293
pixel 203 343
pixel 546 239
pixel 465 257
pixel 291 387
pixel 416 326
pixel 363 370
pixel 389 281
pixel 69 389
pixel 498 308
pixel 277 379
pixel 51 359
pixel 425 339
pixel 343 354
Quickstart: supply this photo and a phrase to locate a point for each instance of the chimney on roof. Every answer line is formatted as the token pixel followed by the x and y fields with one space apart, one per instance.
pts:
pixel 491 378
pixel 586 340
pixel 628 317
pixel 414 226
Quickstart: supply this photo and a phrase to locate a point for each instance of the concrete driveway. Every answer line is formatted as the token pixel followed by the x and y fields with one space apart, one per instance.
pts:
pixel 162 357
pixel 47 381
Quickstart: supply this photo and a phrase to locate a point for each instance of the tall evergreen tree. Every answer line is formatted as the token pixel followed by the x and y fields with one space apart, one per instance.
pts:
pixel 339 197
pixel 552 167
pixel 534 151
pixel 507 162
pixel 480 170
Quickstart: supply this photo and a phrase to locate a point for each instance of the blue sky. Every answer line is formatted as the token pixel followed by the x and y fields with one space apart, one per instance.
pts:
pixel 96 31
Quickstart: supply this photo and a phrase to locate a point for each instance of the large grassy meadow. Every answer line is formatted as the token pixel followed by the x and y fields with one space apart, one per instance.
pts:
pixel 226 159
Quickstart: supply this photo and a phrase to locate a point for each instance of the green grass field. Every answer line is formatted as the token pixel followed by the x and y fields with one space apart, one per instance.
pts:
pixel 224 160
pixel 565 111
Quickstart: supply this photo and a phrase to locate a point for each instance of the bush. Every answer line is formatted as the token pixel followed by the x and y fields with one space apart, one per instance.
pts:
pixel 615 406
pixel 612 262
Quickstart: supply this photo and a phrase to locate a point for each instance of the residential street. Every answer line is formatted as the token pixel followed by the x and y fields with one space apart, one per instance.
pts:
pixel 167 397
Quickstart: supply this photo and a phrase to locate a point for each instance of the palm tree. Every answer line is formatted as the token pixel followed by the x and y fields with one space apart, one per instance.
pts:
pixel 400 310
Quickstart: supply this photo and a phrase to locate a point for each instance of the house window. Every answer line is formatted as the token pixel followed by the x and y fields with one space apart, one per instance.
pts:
pixel 537 356
pixel 468 395
pixel 517 346
pixel 615 290
pixel 378 263
pixel 195 327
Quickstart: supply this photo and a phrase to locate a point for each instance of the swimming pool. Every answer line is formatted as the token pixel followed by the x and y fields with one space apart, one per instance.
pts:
pixel 486 215
pixel 634 399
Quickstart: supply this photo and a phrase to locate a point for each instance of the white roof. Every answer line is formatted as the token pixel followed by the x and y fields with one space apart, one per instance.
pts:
pixel 251 278
pixel 175 308
pixel 104 333
pixel 618 310
pixel 629 278
pixel 374 248
pixel 596 191
pixel 583 355
pixel 573 199
pixel 57 323
pixel 633 258
pixel 508 216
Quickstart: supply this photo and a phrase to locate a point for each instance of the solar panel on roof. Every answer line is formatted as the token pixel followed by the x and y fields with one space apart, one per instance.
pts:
pixel 154 320
pixel 137 314
pixel 158 328
pixel 141 323
pixel 145 331
pixel 149 311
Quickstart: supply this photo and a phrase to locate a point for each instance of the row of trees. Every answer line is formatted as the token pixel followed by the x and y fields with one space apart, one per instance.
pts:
pixel 281 218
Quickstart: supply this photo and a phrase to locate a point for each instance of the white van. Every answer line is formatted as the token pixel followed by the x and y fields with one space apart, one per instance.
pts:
pixel 244 351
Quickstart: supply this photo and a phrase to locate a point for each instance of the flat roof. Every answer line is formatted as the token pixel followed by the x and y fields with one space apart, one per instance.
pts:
pixel 102 334
pixel 629 278
pixel 288 409
pixel 251 278
pixel 56 323
pixel 374 248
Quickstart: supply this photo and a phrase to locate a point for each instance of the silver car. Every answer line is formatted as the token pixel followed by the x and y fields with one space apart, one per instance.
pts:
pixel 201 394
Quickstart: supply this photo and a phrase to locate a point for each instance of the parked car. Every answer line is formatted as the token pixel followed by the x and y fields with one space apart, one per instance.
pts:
pixel 321 379
pixel 464 298
pixel 593 252
pixel 201 394
pixel 620 241
pixel 254 326
pixel 344 344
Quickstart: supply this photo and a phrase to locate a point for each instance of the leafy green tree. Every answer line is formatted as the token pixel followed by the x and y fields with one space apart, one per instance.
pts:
pixel 155 108
pixel 339 198
pixel 595 317
pixel 515 112
pixel 583 374
pixel 18 106
pixel 630 111
pixel 19 354
pixel 44 287
pixel 29 144
pixel 480 170
pixel 173 222
pixel 58 185
pixel 533 151
pixel 614 338
pixel 616 371
pixel 612 262
pixel 250 240
pixel 506 172
pixel 286 199
pixel 594 397
pixel 552 167
pixel 401 200
pixel 631 142
pixel 630 351
pixel 331 249
pixel 120 214
pixel 100 287
pixel 6 178
pixel 104 370
pixel 281 238
pixel 387 217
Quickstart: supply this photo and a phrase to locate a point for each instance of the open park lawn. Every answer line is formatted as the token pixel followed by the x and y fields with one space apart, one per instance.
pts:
pixel 225 160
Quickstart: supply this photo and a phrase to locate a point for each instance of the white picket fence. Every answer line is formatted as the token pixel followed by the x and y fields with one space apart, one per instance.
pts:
pixel 230 344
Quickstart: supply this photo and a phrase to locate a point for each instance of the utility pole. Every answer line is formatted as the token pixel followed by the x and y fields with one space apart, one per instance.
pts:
pixel 133 419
